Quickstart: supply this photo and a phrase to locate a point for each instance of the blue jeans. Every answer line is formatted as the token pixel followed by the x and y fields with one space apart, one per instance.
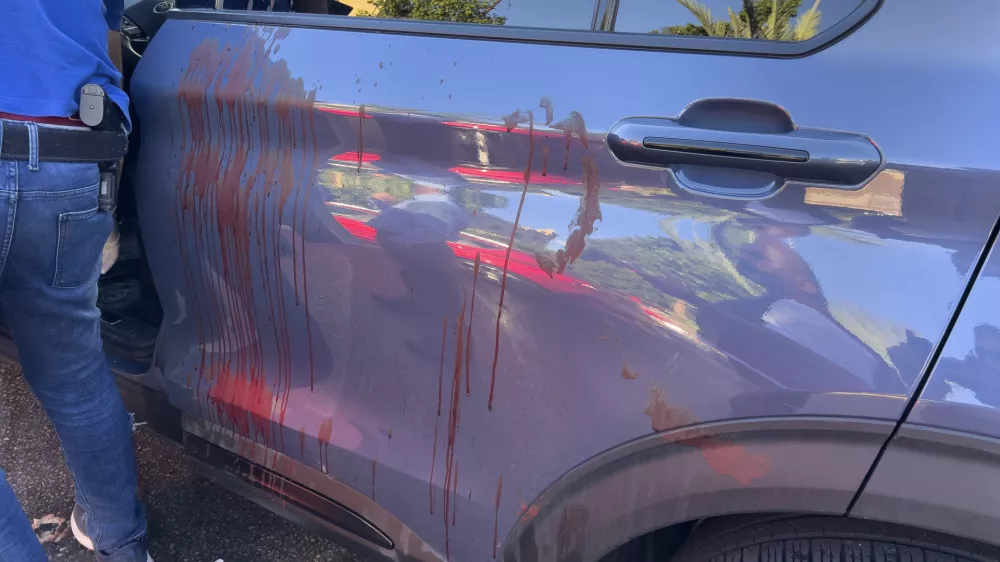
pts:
pixel 50 259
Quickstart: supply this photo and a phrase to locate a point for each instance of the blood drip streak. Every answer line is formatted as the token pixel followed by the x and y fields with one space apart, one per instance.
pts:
pixel 506 260
pixel 453 417
pixel 361 140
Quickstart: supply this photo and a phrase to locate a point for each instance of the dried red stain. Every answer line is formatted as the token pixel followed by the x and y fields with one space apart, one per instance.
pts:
pixel 628 374
pixel 725 457
pixel 323 437
pixel 248 158
pixel 664 416
pixel 453 420
pixel 513 118
pixel 528 512
pixel 545 263
pixel 587 213
pixel 546 104
pixel 732 459
pixel 573 124
pixel 361 135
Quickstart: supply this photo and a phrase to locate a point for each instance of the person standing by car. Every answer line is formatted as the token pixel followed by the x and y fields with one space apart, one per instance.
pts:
pixel 50 261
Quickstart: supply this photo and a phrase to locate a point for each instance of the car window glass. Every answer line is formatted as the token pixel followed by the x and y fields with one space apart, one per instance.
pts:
pixel 767 20
pixel 561 14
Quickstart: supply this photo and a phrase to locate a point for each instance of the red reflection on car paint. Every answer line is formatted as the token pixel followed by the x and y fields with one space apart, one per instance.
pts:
pixel 353 157
pixel 521 263
pixel 510 176
pixel 358 228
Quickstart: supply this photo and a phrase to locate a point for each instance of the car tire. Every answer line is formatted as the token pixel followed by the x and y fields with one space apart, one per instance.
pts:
pixel 827 539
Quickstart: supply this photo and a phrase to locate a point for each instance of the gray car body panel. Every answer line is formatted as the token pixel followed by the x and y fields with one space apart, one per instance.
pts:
pixel 321 207
pixel 941 471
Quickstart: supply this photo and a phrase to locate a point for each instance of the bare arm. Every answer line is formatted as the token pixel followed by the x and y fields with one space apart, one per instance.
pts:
pixel 113 12
pixel 115 48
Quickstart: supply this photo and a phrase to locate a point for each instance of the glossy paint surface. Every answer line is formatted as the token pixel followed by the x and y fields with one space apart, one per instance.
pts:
pixel 413 264
pixel 963 392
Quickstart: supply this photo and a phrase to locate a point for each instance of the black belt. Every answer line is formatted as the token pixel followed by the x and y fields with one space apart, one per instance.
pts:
pixel 58 144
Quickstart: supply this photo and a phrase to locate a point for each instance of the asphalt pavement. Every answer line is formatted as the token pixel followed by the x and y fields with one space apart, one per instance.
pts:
pixel 190 519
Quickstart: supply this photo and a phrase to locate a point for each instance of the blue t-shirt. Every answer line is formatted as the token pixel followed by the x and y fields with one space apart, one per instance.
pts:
pixel 50 48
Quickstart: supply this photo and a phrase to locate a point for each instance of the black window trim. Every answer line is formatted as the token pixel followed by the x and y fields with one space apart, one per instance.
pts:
pixel 584 38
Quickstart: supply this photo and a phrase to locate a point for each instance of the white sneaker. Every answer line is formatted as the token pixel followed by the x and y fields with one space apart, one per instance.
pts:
pixel 76 522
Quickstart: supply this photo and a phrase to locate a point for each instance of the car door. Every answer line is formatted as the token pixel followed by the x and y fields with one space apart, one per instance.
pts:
pixel 535 285
pixel 938 470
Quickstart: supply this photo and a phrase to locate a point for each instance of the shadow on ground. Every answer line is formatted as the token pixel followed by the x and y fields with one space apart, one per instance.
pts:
pixel 191 520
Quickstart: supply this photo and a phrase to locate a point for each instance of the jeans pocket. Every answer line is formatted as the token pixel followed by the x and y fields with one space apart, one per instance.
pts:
pixel 81 240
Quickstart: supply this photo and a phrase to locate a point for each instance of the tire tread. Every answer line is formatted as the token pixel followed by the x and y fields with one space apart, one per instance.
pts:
pixel 828 539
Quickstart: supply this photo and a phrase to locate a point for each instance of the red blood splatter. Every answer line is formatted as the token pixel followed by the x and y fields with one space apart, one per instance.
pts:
pixel 528 512
pixel 361 140
pixel 243 123
pixel 323 436
pixel 628 374
pixel 588 212
pixel 546 104
pixel 545 263
pixel 566 152
pixel 573 124
pixel 725 457
pixel 510 244
pixel 453 419
pixel 732 459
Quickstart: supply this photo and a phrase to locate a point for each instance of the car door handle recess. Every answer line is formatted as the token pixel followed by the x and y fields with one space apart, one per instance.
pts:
pixel 829 158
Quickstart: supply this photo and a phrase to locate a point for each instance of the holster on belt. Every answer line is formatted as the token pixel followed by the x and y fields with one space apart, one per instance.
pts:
pixel 105 143
pixel 103 115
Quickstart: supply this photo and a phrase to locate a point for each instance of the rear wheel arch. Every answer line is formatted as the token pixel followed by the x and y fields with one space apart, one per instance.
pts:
pixel 709 470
